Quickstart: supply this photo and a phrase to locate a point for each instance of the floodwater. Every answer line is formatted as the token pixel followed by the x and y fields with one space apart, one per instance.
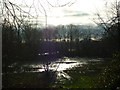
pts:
pixel 44 73
pixel 58 65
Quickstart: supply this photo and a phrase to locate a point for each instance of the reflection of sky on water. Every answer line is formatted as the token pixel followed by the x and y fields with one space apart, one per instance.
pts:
pixel 59 65
pixel 62 75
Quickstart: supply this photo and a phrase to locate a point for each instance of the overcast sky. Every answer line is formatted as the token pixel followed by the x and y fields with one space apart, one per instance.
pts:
pixel 81 12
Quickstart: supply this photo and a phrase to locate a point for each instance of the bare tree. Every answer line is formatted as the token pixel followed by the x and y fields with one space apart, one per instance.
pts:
pixel 14 15
pixel 111 21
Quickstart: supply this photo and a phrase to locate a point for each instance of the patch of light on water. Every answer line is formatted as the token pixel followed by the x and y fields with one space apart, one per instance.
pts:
pixel 66 63
pixel 41 70
pixel 94 60
pixel 64 66
pixel 59 65
pixel 62 74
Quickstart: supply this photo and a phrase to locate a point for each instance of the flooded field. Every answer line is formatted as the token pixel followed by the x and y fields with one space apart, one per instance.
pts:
pixel 58 65
pixel 52 74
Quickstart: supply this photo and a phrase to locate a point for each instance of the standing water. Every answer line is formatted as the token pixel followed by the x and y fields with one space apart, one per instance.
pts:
pixel 42 74
pixel 58 66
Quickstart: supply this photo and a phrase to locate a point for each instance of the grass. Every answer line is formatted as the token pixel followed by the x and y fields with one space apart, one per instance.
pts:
pixel 80 79
pixel 81 82
pixel 94 75
pixel 84 77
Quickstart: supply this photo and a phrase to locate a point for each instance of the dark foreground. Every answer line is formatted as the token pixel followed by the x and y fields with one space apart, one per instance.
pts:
pixel 92 75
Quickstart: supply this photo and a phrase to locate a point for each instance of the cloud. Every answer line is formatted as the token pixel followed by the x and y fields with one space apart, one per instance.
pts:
pixel 81 14
pixel 70 11
pixel 77 15
pixel 73 13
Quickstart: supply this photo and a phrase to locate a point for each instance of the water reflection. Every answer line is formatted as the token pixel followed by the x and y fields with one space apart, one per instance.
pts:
pixel 61 75
pixel 58 65
pixel 55 68
pixel 55 73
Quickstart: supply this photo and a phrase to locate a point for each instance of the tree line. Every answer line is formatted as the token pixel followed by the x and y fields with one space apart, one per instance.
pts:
pixel 67 39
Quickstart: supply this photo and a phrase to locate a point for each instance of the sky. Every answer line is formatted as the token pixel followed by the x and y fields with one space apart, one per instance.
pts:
pixel 77 12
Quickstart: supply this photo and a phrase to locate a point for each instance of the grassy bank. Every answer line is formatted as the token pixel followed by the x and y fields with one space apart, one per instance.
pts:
pixel 94 75
pixel 83 77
